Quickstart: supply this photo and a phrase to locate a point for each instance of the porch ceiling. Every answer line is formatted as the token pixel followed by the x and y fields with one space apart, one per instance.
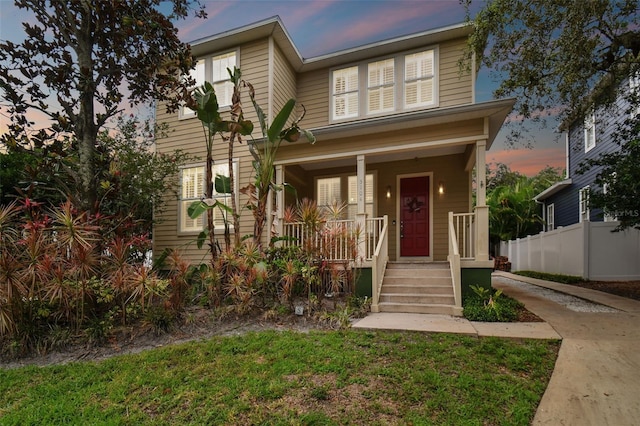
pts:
pixel 383 158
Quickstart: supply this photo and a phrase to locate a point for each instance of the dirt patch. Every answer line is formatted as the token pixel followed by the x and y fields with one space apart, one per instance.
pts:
pixel 197 324
pixel 525 315
pixel 628 289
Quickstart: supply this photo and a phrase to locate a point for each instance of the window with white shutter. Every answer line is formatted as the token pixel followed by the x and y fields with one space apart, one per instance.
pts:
pixel 589 132
pixel 192 190
pixel 345 93
pixel 380 88
pixel 419 76
pixel 220 77
pixel 198 74
pixel 193 180
pixel 328 191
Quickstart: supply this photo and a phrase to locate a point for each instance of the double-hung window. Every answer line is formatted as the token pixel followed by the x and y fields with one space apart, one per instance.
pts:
pixel 385 86
pixel 419 76
pixel 589 131
pixel 584 204
pixel 214 70
pixel 380 89
pixel 199 75
pixel 345 93
pixel 193 189
pixel 550 217
pixel 220 78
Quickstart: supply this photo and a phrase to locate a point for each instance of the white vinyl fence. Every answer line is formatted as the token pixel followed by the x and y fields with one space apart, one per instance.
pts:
pixel 587 249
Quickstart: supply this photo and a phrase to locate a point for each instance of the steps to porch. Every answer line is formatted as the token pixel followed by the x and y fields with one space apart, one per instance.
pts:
pixel 424 288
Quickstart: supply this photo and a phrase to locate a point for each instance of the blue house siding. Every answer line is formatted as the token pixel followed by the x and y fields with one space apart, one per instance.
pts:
pixel 567 201
pixel 565 205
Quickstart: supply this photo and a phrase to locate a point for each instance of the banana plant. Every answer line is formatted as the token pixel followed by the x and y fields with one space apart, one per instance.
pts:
pixel 264 154
pixel 205 104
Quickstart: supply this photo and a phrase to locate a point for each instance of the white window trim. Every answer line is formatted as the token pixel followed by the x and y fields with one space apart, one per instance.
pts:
pixel 550 225
pixel 399 86
pixel 185 113
pixel 589 127
pixel 583 206
pixel 181 230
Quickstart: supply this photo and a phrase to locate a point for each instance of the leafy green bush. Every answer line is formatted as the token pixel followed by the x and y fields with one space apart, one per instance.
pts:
pixel 558 278
pixel 490 306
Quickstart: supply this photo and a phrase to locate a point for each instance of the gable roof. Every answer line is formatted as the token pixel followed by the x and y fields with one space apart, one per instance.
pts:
pixel 273 27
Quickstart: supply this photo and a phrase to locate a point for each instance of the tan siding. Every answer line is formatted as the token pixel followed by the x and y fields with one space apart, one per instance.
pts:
pixel 455 87
pixel 324 147
pixel 284 81
pixel 187 135
pixel 313 93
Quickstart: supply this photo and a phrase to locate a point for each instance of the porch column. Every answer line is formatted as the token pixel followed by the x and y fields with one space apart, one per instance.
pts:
pixel 278 224
pixel 482 211
pixel 361 215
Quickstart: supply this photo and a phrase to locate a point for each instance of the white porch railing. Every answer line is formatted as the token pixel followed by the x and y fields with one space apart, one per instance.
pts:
pixel 379 264
pixel 454 260
pixel 464 232
pixel 338 240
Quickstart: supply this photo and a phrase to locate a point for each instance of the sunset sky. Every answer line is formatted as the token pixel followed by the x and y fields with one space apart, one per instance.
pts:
pixel 324 26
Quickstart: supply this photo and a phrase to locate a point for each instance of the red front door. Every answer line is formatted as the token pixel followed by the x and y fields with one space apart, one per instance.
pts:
pixel 414 216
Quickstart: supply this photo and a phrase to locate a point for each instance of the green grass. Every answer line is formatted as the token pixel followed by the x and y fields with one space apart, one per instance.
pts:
pixel 288 378
pixel 559 278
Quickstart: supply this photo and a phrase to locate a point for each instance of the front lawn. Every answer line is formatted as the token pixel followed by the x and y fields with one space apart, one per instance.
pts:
pixel 282 378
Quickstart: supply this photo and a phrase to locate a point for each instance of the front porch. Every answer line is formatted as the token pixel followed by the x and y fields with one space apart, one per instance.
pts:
pixel 407 187
pixel 416 286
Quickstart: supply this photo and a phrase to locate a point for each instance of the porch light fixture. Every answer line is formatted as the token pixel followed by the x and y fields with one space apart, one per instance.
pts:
pixel 389 191
pixel 441 187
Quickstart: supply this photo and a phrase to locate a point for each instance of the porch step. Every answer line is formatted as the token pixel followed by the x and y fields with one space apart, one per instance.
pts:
pixel 418 288
pixel 417 308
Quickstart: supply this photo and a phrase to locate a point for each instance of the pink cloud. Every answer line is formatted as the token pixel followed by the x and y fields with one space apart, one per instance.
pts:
pixel 529 161
pixel 372 22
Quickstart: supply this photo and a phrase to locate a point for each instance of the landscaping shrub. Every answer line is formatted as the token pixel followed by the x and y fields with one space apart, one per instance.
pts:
pixel 490 306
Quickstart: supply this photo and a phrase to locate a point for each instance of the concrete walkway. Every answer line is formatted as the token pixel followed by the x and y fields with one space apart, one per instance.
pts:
pixel 596 380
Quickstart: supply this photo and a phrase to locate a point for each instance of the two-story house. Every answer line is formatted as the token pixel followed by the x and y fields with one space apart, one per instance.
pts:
pixel 578 240
pixel 398 134
pixel 567 202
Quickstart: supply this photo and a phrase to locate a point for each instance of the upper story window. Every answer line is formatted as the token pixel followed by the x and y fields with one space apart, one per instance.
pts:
pixel 214 70
pixel 345 93
pixel 380 89
pixel 589 131
pixel 402 82
pixel 418 79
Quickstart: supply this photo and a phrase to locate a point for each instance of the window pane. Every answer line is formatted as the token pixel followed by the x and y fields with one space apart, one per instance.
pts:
pixel 345 93
pixel 328 191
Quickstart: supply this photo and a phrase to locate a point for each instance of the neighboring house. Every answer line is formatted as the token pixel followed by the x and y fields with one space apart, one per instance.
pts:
pixel 578 240
pixel 567 202
pixel 398 134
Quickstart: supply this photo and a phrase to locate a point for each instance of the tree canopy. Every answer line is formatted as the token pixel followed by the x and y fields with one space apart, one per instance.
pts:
pixel 560 59
pixel 82 60
pixel 553 55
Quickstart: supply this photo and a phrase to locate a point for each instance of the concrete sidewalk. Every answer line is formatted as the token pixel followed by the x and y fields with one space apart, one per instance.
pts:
pixel 596 380
pixel 449 324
